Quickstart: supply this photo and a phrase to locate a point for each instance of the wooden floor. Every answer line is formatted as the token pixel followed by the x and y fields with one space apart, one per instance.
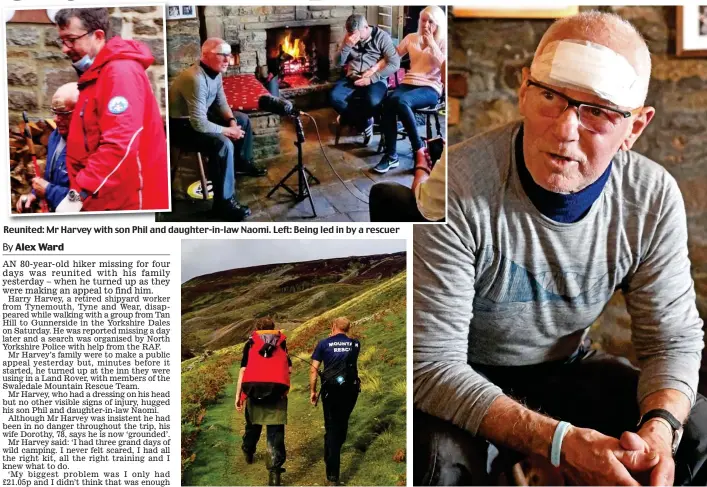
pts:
pixel 333 200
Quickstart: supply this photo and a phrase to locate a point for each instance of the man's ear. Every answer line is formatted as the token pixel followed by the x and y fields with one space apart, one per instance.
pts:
pixel 638 125
pixel 525 74
pixel 100 34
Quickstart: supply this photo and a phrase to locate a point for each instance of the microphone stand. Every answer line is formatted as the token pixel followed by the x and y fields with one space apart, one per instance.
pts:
pixel 303 174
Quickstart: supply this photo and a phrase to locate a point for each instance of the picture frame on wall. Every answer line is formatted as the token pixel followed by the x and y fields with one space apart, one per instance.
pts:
pixel 177 12
pixel 691 31
pixel 495 12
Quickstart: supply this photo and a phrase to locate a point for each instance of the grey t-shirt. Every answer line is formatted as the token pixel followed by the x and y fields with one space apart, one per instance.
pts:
pixel 191 95
pixel 501 284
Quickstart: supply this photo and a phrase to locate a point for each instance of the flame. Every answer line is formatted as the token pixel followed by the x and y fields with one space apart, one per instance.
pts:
pixel 294 48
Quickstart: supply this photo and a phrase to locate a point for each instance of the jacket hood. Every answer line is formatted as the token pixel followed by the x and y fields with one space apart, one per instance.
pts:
pixel 118 48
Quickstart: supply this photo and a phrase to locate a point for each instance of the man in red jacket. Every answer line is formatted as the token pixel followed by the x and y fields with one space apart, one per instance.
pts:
pixel 117 148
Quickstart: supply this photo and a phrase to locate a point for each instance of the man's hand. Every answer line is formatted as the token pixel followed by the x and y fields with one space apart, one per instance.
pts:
pixel 659 436
pixel 313 398
pixel 369 72
pixel 24 202
pixel 239 403
pixel 351 39
pixel 234 133
pixel 39 186
pixel 591 458
pixel 363 82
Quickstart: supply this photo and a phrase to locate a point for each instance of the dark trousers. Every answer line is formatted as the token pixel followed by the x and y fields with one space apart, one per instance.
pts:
pixel 275 436
pixel 337 402
pixel 222 152
pixel 393 202
pixel 400 106
pixel 356 104
pixel 592 390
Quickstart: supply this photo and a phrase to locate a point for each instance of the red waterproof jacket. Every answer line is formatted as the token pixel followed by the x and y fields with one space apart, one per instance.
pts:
pixel 117 148
pixel 268 371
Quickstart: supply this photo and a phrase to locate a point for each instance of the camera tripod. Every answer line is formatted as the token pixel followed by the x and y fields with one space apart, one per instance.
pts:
pixel 303 174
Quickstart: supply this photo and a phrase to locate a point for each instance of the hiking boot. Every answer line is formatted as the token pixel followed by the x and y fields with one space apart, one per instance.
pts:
pixel 332 480
pixel 274 476
pixel 251 168
pixel 230 210
pixel 248 457
pixel 368 131
pixel 386 164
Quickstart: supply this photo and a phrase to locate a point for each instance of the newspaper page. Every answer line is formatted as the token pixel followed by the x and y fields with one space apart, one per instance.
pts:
pixel 150 246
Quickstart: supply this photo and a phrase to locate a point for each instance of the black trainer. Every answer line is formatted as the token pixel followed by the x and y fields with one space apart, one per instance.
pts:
pixel 251 168
pixel 368 131
pixel 332 479
pixel 230 210
pixel 386 164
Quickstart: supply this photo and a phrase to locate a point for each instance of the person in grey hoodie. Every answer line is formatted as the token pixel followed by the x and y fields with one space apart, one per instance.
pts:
pixel 356 96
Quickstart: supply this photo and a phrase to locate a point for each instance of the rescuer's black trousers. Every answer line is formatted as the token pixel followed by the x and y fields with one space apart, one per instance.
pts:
pixel 338 403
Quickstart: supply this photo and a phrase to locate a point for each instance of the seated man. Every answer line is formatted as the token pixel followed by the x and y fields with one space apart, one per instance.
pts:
pixel 356 96
pixel 200 119
pixel 547 218
pixel 54 186
pixel 424 201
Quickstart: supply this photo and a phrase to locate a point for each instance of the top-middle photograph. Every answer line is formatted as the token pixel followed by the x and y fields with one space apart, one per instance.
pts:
pixel 307 113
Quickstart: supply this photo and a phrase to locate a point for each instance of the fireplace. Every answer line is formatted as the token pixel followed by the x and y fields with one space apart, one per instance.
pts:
pixel 299 56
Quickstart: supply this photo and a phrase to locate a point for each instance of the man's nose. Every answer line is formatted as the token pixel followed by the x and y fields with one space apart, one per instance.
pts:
pixel 566 127
pixel 65 49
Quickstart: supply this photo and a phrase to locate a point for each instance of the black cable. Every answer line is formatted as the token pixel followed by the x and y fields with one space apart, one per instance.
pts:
pixel 321 145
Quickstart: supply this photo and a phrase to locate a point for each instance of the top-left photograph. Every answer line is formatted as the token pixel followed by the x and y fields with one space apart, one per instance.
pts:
pixel 86 109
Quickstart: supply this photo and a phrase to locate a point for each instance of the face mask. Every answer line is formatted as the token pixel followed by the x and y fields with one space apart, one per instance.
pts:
pixel 83 64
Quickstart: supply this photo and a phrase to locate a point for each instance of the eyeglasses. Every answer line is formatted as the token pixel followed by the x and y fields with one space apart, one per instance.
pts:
pixel 551 103
pixel 62 113
pixel 71 41
pixel 225 57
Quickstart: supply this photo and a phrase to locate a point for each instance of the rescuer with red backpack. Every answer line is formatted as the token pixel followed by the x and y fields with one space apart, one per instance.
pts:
pixel 263 384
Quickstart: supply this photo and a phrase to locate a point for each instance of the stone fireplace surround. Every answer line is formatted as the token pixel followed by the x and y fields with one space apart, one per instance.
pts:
pixel 247 26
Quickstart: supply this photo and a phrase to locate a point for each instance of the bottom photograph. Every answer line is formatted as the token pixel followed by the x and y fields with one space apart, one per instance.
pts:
pixel 293 362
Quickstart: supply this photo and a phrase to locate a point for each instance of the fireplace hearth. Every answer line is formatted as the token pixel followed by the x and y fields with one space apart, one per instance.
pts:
pixel 298 56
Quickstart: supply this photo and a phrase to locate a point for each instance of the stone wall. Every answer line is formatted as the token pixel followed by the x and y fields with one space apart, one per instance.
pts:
pixel 36 67
pixel 245 25
pixel 485 62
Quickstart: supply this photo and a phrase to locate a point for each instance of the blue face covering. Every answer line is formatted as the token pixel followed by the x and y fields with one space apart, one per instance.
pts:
pixel 83 64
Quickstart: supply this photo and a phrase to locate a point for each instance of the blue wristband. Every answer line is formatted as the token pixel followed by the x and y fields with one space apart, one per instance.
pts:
pixel 556 448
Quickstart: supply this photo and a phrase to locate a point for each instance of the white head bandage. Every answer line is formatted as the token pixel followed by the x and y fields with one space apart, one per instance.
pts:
pixel 222 48
pixel 592 68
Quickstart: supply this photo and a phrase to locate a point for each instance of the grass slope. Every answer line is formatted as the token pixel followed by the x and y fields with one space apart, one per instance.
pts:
pixel 374 453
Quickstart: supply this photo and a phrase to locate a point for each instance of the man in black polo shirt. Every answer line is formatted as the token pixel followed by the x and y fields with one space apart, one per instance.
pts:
pixel 339 390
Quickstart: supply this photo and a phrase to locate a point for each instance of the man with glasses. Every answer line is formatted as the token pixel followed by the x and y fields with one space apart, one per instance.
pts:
pixel 54 186
pixel 117 147
pixel 200 118
pixel 547 217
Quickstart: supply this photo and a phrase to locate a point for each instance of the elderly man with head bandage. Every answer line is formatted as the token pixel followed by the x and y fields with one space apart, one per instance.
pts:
pixel 547 218
pixel 201 119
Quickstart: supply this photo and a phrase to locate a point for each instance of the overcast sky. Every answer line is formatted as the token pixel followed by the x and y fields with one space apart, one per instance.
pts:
pixel 201 257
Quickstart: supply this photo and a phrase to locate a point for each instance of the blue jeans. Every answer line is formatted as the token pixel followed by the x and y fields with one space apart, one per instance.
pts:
pixel 356 104
pixel 221 151
pixel 400 105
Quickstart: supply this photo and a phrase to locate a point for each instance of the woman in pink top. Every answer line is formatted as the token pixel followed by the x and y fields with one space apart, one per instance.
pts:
pixel 421 87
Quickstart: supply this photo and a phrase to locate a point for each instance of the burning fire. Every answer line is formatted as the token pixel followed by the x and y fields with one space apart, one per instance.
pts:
pixel 294 48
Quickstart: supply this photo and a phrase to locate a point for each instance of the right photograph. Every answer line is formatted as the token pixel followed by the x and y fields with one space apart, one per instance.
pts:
pixel 558 315
pixel 307 113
